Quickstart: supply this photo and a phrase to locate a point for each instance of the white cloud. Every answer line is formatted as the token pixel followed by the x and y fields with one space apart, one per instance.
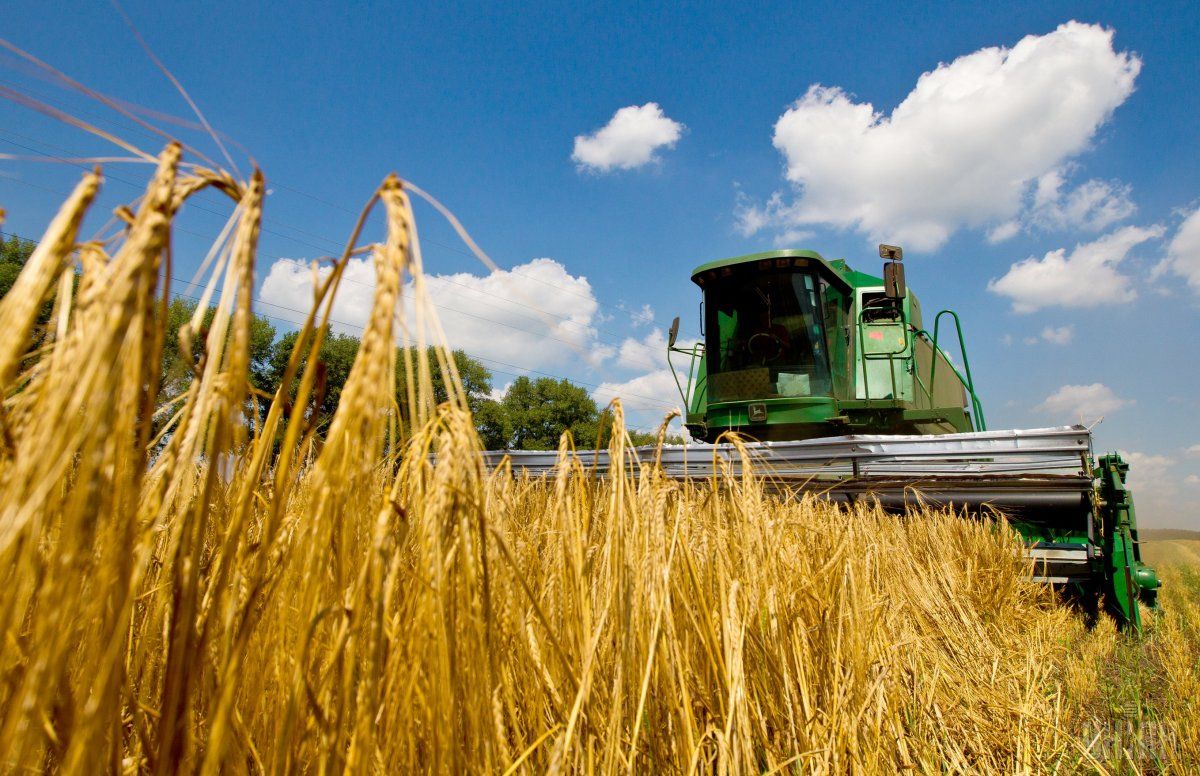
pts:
pixel 645 354
pixel 628 140
pixel 1088 277
pixel 1145 468
pixel 535 315
pixel 750 218
pixel 1194 450
pixel 1059 336
pixel 652 394
pixel 652 390
pixel 1004 231
pixel 1156 492
pixel 1082 402
pixel 961 150
pixel 1092 205
pixel 793 238
pixel 1183 253
pixel 642 317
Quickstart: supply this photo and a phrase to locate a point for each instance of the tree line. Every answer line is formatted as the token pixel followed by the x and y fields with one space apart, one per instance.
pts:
pixel 531 414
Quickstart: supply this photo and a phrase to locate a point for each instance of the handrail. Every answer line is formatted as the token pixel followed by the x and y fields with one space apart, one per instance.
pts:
pixel 962 380
pixel 969 382
pixel 695 351
pixel 863 356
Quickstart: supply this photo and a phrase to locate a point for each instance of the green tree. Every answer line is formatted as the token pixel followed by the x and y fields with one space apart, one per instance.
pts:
pixel 476 378
pixel 14 252
pixel 337 355
pixel 8 275
pixel 638 438
pixel 540 410
pixel 333 367
pixel 177 373
pixel 492 422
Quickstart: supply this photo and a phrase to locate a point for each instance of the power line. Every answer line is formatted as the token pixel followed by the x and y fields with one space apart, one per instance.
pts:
pixel 612 337
pixel 451 248
pixel 138 186
pixel 360 329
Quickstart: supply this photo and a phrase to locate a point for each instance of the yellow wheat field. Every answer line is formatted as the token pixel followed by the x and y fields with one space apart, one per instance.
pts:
pixel 182 589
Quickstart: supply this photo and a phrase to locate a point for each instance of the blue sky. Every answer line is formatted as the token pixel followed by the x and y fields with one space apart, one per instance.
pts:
pixel 1031 138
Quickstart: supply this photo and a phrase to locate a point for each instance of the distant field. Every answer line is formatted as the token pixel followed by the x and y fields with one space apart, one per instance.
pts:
pixel 1171 552
pixel 1169 533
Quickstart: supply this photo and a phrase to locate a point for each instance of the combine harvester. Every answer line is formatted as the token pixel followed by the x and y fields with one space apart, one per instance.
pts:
pixel 847 396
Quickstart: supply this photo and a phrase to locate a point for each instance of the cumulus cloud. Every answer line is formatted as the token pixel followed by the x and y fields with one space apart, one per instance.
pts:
pixel 1061 335
pixel 1093 205
pixel 1082 402
pixel 653 394
pixel 629 140
pixel 650 391
pixel 1156 483
pixel 961 150
pixel 1194 450
pixel 1087 277
pixel 535 315
pixel 1147 468
pixel 642 316
pixel 1183 252
pixel 649 352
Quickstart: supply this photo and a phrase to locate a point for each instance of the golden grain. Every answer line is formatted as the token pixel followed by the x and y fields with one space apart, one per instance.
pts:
pixel 210 597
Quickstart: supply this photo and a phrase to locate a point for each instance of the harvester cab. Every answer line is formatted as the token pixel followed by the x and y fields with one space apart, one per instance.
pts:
pixel 794 346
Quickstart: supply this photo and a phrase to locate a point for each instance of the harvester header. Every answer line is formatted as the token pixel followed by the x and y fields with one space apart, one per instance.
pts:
pixel 842 392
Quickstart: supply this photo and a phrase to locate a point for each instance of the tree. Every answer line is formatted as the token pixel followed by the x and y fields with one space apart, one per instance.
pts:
pixel 333 367
pixel 337 355
pixel 8 275
pixel 177 373
pixel 540 410
pixel 14 252
pixel 475 377
pixel 636 437
pixel 492 422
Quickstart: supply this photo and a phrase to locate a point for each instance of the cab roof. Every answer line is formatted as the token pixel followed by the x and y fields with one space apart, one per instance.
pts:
pixel 836 269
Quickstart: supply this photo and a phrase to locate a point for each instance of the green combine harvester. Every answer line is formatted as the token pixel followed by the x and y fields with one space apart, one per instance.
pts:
pixel 845 394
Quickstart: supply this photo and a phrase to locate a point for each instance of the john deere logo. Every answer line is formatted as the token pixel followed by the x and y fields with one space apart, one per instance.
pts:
pixel 758 413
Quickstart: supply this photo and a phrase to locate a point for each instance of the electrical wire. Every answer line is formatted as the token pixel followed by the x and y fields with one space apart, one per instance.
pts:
pixel 522 370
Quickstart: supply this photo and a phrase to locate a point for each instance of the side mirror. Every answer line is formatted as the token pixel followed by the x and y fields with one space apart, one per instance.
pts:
pixel 673 334
pixel 893 271
pixel 893 280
